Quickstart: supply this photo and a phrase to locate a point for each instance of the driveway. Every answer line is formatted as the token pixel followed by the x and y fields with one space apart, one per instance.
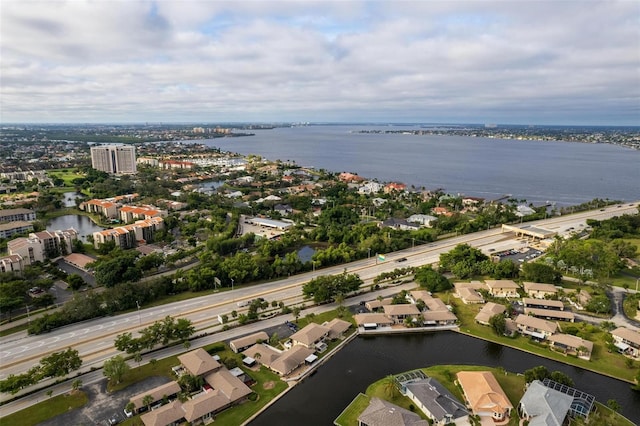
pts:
pixel 102 405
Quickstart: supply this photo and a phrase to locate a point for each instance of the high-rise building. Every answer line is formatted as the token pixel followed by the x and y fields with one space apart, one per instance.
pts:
pixel 115 159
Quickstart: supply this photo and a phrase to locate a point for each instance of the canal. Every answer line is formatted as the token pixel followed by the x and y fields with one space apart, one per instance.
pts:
pixel 319 399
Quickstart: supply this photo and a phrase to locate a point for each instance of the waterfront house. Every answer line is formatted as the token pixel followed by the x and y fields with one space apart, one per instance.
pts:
pixel 382 413
pixel 489 310
pixel 242 343
pixel 535 327
pixel 570 344
pixel 310 335
pixel 484 395
pixel 372 321
pixel 539 290
pixel 291 359
pixel 435 401
pixel 337 327
pixel 542 406
pixel 398 313
pixel 502 288
pixel 627 341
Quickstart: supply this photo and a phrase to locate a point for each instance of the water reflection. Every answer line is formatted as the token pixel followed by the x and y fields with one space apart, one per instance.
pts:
pixel 83 224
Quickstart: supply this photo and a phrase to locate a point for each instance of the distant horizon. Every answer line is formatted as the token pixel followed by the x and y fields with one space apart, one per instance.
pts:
pixel 309 123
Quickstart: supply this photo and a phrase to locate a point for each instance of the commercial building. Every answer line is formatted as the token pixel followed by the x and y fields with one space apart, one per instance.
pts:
pixel 114 159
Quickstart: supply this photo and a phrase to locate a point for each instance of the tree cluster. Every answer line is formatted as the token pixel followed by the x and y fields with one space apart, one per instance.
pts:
pixel 160 332
pixel 327 287
pixel 541 372
pixel 432 280
pixel 58 364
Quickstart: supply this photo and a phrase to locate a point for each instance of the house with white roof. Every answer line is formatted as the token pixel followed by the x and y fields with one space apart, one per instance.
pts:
pixel 543 406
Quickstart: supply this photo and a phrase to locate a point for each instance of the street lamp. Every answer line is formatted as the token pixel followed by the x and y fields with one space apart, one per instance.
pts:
pixel 29 318
pixel 139 318
pixel 231 283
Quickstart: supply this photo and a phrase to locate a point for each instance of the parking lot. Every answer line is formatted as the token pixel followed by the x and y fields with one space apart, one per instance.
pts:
pixel 518 256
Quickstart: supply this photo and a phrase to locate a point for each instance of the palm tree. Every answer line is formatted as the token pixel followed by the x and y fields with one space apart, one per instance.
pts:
pixel 76 384
pixel 147 400
pixel 389 386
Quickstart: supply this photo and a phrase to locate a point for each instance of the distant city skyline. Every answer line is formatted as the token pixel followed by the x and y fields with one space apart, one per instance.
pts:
pixel 519 62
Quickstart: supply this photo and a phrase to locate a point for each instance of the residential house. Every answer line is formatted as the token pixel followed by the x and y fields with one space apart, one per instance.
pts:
pixel 242 343
pixel 502 288
pixel 283 209
pixel 372 321
pixel 628 341
pixel 542 406
pixel 441 211
pixel 489 310
pixel 167 390
pixel 550 314
pixel 435 401
pixel 370 187
pixel 374 305
pixel 167 415
pixel 535 327
pixel 440 317
pixel 401 224
pixel 539 290
pixel 542 304
pixel 469 295
pixel 310 335
pixel 337 327
pixel 262 353
pixel 291 359
pixel 484 395
pixel 422 219
pixel 394 187
pixel 570 344
pixel 398 313
pixel 199 362
pixel 382 413
pixel 349 178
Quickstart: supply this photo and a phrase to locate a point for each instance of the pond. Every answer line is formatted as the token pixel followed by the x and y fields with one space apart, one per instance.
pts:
pixel 69 198
pixel 83 224
pixel 305 254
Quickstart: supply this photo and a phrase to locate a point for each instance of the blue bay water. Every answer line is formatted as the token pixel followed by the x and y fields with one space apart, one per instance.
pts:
pixel 567 173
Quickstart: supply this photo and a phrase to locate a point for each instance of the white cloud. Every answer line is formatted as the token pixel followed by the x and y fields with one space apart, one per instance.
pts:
pixel 336 60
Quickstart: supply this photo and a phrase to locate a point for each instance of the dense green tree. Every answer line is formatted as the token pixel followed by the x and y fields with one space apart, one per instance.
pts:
pixel 60 364
pixel 115 368
pixel 75 281
pixel 432 280
pixel 499 324
pixel 540 272
pixel 325 288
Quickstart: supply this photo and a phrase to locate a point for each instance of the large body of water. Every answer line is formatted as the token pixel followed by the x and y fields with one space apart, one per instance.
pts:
pixel 319 399
pixel 562 172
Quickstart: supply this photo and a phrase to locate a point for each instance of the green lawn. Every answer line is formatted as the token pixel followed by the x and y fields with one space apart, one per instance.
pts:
pixel 46 409
pixel 349 417
pixel 67 175
pixel 602 361
pixel 160 367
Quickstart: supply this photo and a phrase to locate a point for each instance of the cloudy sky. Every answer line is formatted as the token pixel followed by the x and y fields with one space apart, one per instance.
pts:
pixel 520 61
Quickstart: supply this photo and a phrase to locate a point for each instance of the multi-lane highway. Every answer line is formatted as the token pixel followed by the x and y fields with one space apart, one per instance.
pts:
pixel 94 339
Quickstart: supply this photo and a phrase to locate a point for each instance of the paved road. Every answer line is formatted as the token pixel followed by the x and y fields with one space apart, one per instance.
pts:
pixel 94 339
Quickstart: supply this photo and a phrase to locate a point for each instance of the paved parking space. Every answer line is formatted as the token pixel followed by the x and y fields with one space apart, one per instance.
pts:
pixel 103 406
